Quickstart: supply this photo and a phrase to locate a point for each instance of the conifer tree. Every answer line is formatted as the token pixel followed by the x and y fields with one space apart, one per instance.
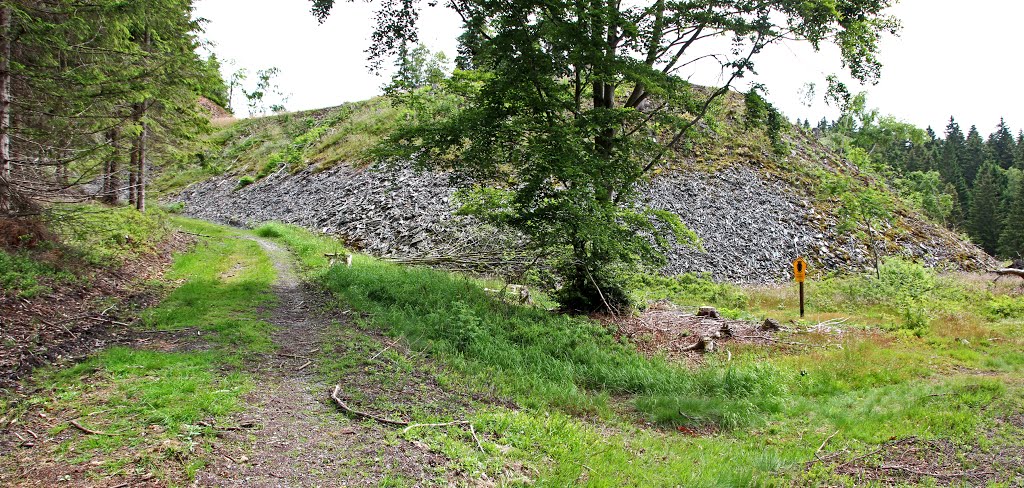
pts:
pixel 1001 145
pixel 950 163
pixel 1018 155
pixel 1011 240
pixel 974 155
pixel 985 224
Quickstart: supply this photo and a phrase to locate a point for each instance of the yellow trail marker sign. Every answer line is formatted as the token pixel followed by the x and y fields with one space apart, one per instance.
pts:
pixel 800 274
pixel 799 270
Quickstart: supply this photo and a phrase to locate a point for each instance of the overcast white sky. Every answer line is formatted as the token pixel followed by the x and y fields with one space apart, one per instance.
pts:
pixel 952 58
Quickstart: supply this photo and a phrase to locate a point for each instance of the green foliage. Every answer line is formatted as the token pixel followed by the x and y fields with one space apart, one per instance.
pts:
pixel 91 82
pixel 927 192
pixel 903 290
pixel 268 230
pixel 129 391
pixel 211 82
pixel 553 111
pixel 861 204
pixel 577 391
pixel 541 358
pixel 246 181
pixel 21 272
pixel 1005 307
pixel 686 289
pixel 986 226
pixel 226 282
pixel 761 113
pixel 1011 239
pixel 173 208
pixel 105 235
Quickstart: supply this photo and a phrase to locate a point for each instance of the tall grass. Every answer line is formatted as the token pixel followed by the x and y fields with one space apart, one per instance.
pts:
pixel 541 358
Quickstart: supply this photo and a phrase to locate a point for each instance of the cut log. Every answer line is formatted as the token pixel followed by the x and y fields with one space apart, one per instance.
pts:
pixel 1009 272
pixel 709 312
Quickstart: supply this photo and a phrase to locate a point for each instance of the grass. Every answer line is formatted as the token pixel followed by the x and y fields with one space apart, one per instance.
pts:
pixel 585 397
pixel 589 410
pixel 87 236
pixel 154 400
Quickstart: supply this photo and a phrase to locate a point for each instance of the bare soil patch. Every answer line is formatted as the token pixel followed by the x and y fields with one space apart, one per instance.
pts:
pixel 673 332
pixel 74 319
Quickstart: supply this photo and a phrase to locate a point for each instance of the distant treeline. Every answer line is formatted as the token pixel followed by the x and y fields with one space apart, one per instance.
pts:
pixel 969 183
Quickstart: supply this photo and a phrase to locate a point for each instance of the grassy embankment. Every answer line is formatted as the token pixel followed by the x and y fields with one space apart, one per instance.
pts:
pixel 151 400
pixel 946 368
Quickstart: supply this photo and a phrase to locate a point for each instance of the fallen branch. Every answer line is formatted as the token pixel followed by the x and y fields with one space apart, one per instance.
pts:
pixel 356 413
pixel 389 346
pixel 823 443
pixel 961 474
pixel 300 368
pixel 442 424
pixel 90 431
pixel 293 356
pixel 475 438
pixel 109 321
pixel 788 343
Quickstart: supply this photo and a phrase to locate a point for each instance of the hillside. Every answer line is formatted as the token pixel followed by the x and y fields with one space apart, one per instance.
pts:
pixel 753 209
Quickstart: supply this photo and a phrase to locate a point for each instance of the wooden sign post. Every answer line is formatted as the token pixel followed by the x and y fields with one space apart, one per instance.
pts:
pixel 799 274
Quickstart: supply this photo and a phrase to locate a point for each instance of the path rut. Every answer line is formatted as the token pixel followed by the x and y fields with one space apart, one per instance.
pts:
pixel 298 437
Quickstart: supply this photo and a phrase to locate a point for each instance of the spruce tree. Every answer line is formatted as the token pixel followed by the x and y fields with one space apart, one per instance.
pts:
pixel 974 155
pixel 1001 145
pixel 985 225
pixel 950 163
pixel 1018 155
pixel 1011 240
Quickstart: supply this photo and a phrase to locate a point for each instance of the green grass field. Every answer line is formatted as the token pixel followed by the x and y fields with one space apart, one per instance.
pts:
pixel 594 410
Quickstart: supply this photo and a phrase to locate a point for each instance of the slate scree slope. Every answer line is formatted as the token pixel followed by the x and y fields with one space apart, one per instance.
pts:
pixel 752 222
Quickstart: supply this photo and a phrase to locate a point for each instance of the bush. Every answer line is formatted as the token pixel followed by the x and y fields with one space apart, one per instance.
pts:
pixel 173 208
pixel 245 181
pixel 104 235
pixel 20 274
pixel 1005 307
pixel 269 230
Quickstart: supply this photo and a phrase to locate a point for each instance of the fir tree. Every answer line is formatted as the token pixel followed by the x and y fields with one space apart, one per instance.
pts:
pixel 985 226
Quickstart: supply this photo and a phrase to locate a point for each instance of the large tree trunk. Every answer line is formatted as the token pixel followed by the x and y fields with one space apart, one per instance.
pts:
pixel 6 190
pixel 133 172
pixel 111 179
pixel 140 198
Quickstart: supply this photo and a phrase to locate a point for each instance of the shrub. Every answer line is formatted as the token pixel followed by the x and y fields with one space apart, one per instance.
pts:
pixel 173 208
pixel 1005 307
pixel 269 230
pixel 246 181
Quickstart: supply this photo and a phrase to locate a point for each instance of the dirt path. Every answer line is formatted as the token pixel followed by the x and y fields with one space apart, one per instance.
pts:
pixel 294 435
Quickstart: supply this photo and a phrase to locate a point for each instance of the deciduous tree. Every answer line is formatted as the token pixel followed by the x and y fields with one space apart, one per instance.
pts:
pixel 572 104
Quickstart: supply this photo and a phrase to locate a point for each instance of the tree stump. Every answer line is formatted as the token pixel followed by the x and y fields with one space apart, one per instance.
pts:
pixel 771 325
pixel 705 344
pixel 725 331
pixel 708 312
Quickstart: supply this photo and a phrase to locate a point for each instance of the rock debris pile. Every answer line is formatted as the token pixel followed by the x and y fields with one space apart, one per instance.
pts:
pixel 751 226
